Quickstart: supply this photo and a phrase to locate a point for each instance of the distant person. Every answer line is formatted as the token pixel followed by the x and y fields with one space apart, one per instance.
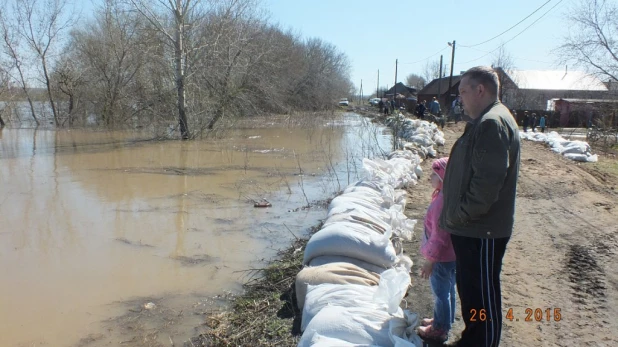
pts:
pixel 437 249
pixel 420 110
pixel 434 106
pixel 526 121
pixel 542 123
pixel 533 121
pixel 457 108
pixel 381 105
pixel 480 187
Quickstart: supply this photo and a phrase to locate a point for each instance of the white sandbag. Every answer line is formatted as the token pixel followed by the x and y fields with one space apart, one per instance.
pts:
pixel 583 157
pixel 334 273
pixel 392 288
pixel 329 259
pixel 355 325
pixel 404 262
pixel 574 150
pixel 375 211
pixel 387 193
pixel 421 139
pixel 352 241
pixel 344 295
pixel 394 217
pixel 439 140
pixel 356 199
pixel 386 296
pixel 318 340
pixel 376 224
pixel 401 225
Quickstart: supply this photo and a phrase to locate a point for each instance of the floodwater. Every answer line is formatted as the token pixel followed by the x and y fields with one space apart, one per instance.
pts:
pixel 94 225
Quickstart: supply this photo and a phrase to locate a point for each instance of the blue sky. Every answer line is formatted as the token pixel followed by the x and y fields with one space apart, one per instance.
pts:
pixel 373 34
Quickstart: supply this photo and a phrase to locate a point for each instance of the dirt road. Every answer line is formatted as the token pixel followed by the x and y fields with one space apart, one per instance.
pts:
pixel 562 257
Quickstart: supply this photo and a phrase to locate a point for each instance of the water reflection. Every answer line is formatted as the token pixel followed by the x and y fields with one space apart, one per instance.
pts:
pixel 91 218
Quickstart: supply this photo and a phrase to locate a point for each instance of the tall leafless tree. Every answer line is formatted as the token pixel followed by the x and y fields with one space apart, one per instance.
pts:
pixel 431 70
pixel 503 63
pixel 15 59
pixel 185 16
pixel 41 24
pixel 417 81
pixel 593 39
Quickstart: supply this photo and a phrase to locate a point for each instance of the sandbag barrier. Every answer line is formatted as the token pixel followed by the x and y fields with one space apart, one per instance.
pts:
pixel 355 274
pixel 574 150
pixel 416 135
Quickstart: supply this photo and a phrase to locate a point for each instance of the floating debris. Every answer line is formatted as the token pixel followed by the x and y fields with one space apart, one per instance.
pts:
pixel 262 203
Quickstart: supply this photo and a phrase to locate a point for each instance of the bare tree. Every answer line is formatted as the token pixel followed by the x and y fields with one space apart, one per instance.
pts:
pixel 4 91
pixel 11 42
pixel 593 39
pixel 111 52
pixel 417 81
pixel 503 63
pixel 184 16
pixel 40 24
pixel 431 70
pixel 69 80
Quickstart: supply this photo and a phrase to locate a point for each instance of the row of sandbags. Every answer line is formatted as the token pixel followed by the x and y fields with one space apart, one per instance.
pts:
pixel 355 274
pixel 416 135
pixel 574 150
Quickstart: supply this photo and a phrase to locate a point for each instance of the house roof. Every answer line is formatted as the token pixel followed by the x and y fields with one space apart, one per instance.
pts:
pixel 586 101
pixel 432 87
pixel 555 80
pixel 400 88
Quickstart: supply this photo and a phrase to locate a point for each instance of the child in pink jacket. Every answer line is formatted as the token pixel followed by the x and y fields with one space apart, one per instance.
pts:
pixel 437 248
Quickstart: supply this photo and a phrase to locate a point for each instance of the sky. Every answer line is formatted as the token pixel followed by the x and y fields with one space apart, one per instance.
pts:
pixel 375 34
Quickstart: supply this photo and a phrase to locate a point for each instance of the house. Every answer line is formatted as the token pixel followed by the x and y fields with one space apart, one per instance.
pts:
pixel 404 96
pixel 439 88
pixel 585 112
pixel 400 88
pixel 533 89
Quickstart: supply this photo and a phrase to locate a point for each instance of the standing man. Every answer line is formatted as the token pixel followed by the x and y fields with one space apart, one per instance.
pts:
pixel 420 110
pixel 434 107
pixel 479 204
pixel 457 108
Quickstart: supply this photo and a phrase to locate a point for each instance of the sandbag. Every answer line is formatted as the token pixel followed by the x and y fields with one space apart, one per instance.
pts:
pixel 334 273
pixel 328 259
pixel 354 241
pixel 344 295
pixel 318 340
pixel 355 325
pixel 387 296
pixel 376 224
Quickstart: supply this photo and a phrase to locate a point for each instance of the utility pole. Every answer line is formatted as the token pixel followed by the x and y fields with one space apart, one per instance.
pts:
pixel 378 85
pixel 395 86
pixel 361 94
pixel 450 79
pixel 440 79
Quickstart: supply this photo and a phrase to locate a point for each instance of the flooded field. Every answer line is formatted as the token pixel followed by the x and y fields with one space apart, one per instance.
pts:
pixel 98 225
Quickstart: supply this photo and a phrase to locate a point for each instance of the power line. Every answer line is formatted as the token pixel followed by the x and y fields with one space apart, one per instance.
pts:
pixel 507 30
pixel 517 58
pixel 514 37
pixel 429 57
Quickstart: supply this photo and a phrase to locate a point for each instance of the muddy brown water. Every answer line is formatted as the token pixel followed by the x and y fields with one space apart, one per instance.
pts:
pixel 96 224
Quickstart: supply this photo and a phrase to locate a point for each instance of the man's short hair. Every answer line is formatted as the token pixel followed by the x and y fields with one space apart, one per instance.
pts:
pixel 484 75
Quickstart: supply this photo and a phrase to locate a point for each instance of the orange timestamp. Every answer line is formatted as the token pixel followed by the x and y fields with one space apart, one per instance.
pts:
pixel 531 315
